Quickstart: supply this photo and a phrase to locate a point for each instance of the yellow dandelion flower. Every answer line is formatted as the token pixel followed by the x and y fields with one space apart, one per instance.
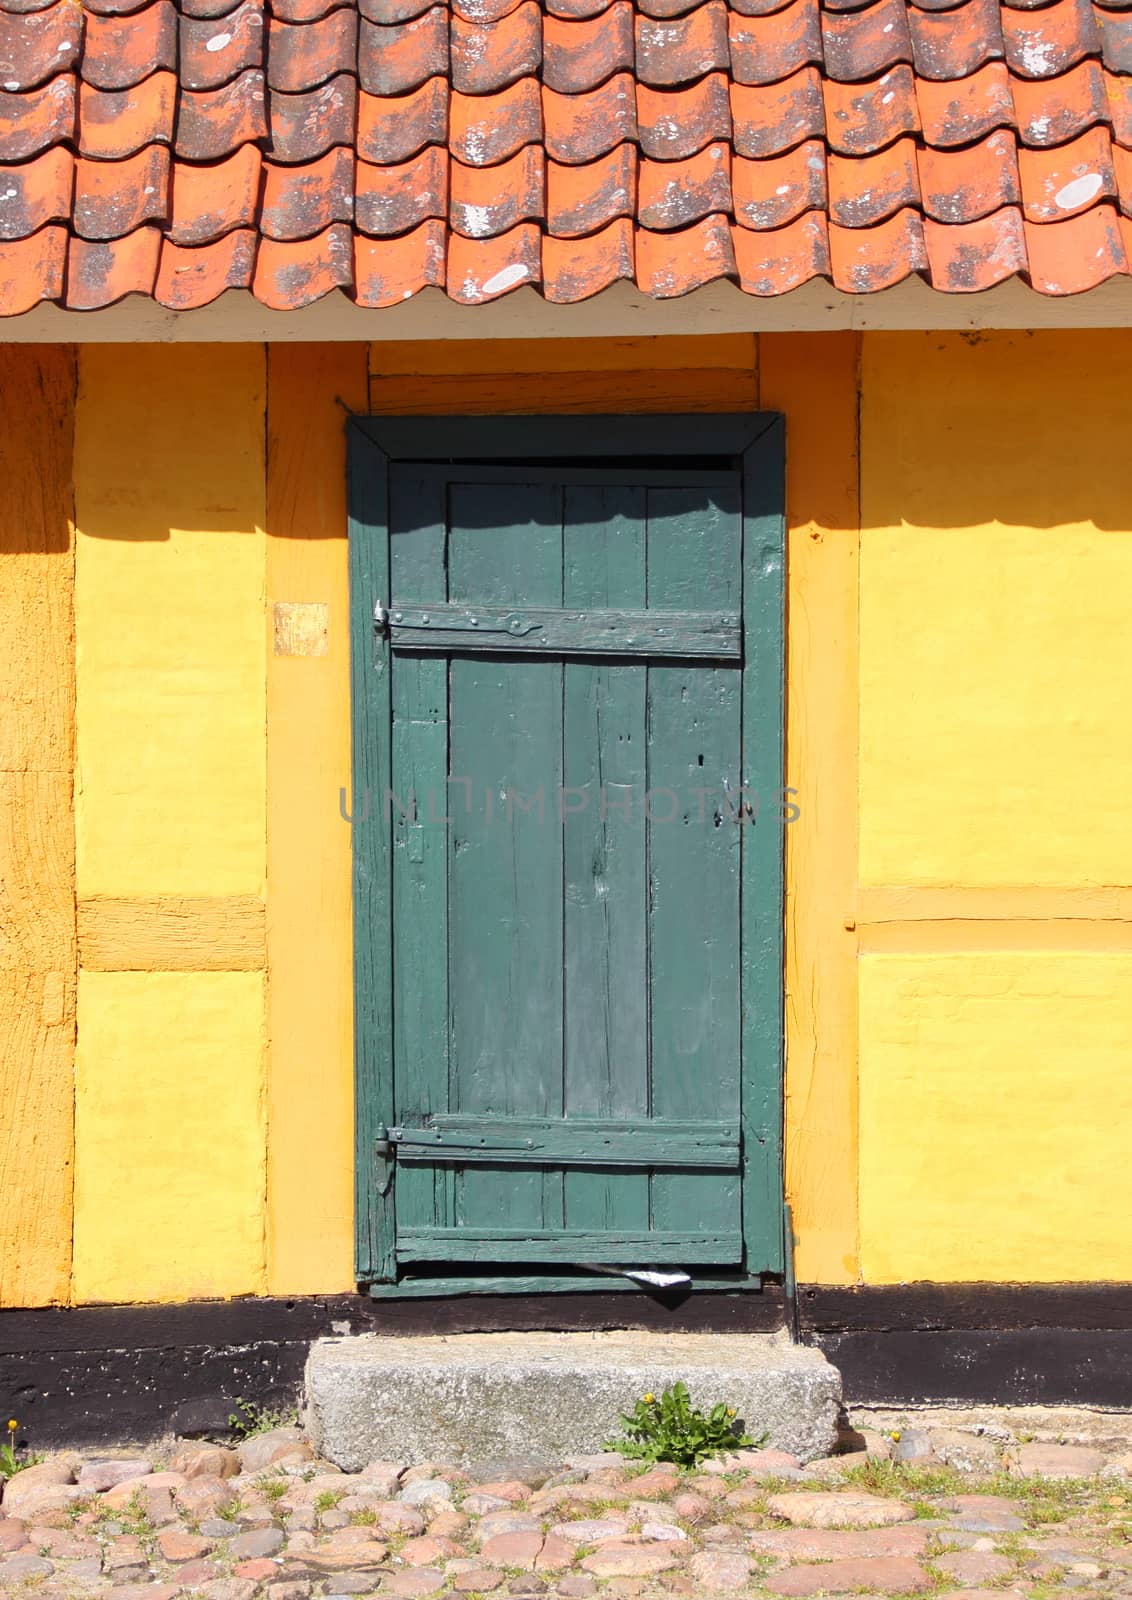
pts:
pixel 12 1424
pixel 730 1411
pixel 895 1435
pixel 649 1399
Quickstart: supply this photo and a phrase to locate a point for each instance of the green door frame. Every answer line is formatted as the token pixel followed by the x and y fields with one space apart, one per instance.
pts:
pixel 755 443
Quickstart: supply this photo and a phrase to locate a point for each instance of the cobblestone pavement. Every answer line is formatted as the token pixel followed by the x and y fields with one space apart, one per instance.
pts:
pixel 960 1515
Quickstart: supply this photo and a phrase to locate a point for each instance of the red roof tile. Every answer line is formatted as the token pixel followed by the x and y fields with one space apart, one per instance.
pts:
pixel 209 201
pixel 177 148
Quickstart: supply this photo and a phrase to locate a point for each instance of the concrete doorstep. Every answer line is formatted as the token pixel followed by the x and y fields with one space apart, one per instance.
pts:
pixel 549 1395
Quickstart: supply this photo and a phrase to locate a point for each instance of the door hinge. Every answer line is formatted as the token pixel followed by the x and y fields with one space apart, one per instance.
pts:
pixel 380 620
pixel 383 1155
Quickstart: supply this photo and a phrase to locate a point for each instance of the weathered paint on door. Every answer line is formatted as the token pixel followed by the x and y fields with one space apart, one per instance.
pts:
pixel 568 915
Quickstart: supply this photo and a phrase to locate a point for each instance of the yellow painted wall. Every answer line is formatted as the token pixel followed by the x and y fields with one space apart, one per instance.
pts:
pixel 170 809
pixel 996 566
pixel 959 895
pixel 169 503
pixel 169 1133
pixel 994 914
pixel 996 1108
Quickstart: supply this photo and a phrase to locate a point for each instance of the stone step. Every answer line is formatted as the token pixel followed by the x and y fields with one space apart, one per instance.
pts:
pixel 473 1396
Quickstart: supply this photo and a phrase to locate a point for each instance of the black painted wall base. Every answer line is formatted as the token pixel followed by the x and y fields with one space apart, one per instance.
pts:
pixel 101 1374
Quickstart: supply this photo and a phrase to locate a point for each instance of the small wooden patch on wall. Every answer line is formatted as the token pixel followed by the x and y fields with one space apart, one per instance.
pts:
pixel 301 628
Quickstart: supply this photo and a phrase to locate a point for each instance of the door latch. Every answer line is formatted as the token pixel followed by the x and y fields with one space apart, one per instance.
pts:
pixel 383 1154
pixel 380 620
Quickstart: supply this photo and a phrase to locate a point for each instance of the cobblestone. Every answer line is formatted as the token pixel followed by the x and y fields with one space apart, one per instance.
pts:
pixel 1008 1517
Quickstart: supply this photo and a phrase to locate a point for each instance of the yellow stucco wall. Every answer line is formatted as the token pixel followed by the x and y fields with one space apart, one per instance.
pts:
pixel 959 900
pixel 994 915
pixel 170 805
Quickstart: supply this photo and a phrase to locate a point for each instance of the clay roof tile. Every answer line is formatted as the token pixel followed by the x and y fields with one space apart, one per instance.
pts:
pixel 960 113
pixel 672 194
pixel 584 199
pixel 113 123
pixel 972 256
pixel 211 200
pixel 575 269
pixel 292 274
pixel 778 116
pixel 863 117
pixel 215 49
pixel 776 191
pixel 580 55
pixel 120 51
pixel 387 271
pixel 582 127
pixel 33 122
pixel 482 269
pixel 766 49
pixel 113 198
pixel 684 48
pixel 865 190
pixel 861 44
pixel 866 260
pixel 392 128
pixel 36 192
pixel 395 199
pixel 672 264
pixel 187 278
pixel 176 148
pixel 305 126
pixel 1062 182
pixel 37 45
pixel 300 201
pixel 952 44
pixel 1046 43
pixel 673 124
pixel 486 201
pixel 776 262
pixel 963 185
pixel 303 55
pixel 1078 254
pixel 403 55
pixel 486 129
pixel 214 122
pixel 488 56
pixel 31 270
pixel 101 273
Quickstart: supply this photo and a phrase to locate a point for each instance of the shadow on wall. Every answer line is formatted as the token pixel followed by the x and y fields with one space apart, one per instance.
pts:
pixel 957 430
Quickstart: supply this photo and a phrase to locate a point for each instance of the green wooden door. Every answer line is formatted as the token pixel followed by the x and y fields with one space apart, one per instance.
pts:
pixel 567 789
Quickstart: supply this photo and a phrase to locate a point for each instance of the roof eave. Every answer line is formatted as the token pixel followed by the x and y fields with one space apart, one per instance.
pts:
pixel 621 311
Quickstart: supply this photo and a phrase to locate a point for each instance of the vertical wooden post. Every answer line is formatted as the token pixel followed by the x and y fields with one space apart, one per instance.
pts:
pixel 37 832
pixel 813 379
pixel 310 1098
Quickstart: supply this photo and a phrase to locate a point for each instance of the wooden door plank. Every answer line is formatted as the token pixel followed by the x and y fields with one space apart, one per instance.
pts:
pixel 372 776
pixel 628 1245
pixel 606 978
pixel 763 846
pixel 417 545
pixel 694 745
pixel 551 1280
pixel 505 856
